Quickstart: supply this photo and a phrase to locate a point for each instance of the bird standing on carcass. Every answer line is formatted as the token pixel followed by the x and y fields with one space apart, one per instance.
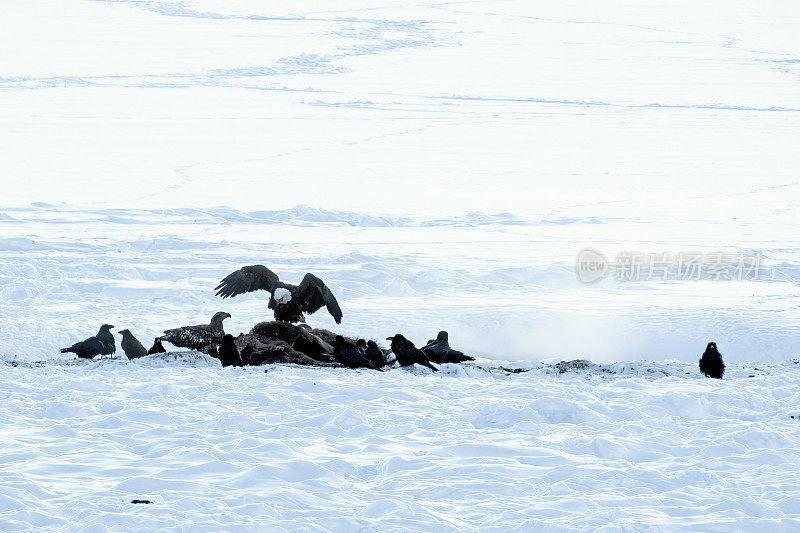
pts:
pixel 228 353
pixel 288 302
pixel 202 337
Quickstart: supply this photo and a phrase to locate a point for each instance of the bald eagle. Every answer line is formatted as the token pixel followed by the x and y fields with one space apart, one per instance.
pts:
pixel 288 302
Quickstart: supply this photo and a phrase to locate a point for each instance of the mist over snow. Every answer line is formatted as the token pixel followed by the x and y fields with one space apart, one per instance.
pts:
pixel 440 166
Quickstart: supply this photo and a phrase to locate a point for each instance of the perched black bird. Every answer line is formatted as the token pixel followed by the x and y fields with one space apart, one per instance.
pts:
pixel 289 302
pixel 408 354
pixel 203 337
pixel 350 355
pixel 711 363
pixel 157 348
pixel 131 345
pixel 439 351
pixel 375 355
pixel 228 353
pixel 100 344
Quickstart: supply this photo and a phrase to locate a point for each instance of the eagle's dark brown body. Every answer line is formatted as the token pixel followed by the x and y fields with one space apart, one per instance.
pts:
pixel 202 337
pixel 288 302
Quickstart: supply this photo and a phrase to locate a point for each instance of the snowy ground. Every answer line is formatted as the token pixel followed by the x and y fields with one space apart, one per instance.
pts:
pixel 653 448
pixel 439 165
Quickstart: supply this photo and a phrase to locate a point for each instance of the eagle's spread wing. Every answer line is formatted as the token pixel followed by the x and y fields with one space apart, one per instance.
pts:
pixel 313 294
pixel 247 279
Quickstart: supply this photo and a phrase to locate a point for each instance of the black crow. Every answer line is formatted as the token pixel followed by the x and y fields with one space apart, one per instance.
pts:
pixel 131 345
pixel 350 355
pixel 228 353
pixel 157 348
pixel 439 351
pixel 408 354
pixel 101 344
pixel 711 363
pixel 375 354
pixel 289 302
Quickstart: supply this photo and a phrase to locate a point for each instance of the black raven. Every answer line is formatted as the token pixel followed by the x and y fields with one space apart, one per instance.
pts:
pixel 439 351
pixel 131 345
pixel 375 355
pixel 408 354
pixel 351 355
pixel 100 344
pixel 711 363
pixel 157 348
pixel 228 353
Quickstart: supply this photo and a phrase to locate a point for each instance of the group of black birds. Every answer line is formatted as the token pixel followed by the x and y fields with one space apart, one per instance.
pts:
pixel 275 342
pixel 283 337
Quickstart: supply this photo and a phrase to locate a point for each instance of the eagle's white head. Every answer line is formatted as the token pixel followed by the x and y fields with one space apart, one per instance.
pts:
pixel 282 296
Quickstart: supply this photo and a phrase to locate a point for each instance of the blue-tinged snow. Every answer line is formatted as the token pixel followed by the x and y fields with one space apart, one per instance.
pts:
pixel 440 166
pixel 651 448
